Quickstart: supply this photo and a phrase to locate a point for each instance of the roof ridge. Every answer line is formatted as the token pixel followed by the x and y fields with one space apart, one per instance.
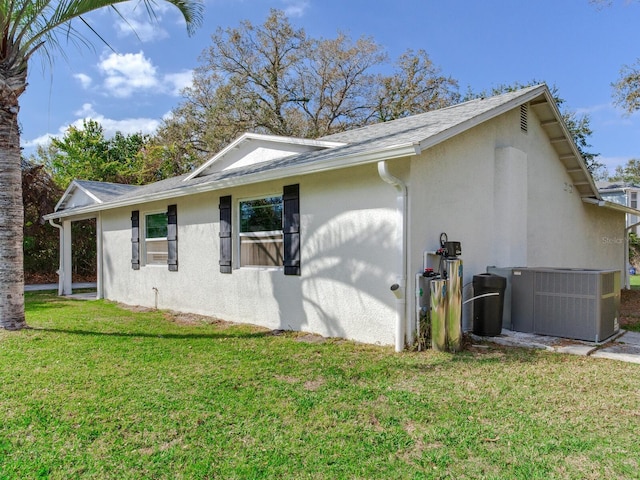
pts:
pixel 515 93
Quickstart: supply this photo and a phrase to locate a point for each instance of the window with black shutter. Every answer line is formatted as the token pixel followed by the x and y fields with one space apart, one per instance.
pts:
pixel 225 234
pixel 135 240
pixel 172 237
pixel 291 229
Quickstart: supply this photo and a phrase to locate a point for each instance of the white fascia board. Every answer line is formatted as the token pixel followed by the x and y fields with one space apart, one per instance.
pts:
pixel 611 206
pixel 554 106
pixel 245 137
pixel 362 158
pixel 292 140
pixel 217 156
pixel 66 193
pixel 69 191
pixel 481 118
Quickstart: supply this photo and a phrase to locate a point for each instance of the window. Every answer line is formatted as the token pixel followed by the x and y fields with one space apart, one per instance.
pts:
pixel 634 200
pixel 155 238
pixel 261 239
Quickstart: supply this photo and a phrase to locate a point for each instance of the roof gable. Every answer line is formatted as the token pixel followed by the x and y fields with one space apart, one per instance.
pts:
pixel 83 193
pixel 252 148
pixel 257 162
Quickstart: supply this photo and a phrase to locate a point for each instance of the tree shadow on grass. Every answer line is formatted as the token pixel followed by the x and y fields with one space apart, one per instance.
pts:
pixel 170 336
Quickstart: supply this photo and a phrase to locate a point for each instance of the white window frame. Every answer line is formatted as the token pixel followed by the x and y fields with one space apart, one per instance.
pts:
pixel 239 235
pixel 153 240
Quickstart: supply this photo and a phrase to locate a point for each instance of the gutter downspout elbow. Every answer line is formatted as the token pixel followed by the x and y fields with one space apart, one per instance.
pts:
pixel 60 271
pixel 400 287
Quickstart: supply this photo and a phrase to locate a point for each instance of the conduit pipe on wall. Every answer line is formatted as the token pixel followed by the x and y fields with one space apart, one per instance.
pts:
pixel 61 264
pixel 400 287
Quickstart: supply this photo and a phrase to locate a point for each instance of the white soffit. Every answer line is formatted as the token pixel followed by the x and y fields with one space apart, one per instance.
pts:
pixel 71 192
pixel 553 125
pixel 253 148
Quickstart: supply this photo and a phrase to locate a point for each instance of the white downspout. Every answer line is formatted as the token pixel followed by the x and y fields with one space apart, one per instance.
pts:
pixel 99 270
pixel 60 256
pixel 400 287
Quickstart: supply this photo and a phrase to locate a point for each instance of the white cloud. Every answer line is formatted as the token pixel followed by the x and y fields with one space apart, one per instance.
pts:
pixel 127 73
pixel 295 8
pixel 611 163
pixel 602 107
pixel 135 20
pixel 110 126
pixel 176 82
pixel 132 73
pixel 86 109
pixel 85 80
pixel 38 141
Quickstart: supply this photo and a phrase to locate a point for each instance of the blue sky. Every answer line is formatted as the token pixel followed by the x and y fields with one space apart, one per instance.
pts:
pixel 571 44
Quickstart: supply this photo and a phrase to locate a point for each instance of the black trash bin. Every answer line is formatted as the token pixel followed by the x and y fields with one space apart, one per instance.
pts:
pixel 487 311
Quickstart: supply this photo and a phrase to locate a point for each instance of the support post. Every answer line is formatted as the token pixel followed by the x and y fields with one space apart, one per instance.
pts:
pixel 65 251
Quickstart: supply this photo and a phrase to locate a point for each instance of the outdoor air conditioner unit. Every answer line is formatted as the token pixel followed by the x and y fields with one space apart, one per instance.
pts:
pixel 570 303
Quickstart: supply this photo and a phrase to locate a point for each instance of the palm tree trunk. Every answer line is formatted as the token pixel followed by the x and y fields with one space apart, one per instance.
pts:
pixel 11 213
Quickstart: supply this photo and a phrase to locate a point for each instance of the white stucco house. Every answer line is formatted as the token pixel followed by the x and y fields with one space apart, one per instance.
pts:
pixel 622 193
pixel 310 235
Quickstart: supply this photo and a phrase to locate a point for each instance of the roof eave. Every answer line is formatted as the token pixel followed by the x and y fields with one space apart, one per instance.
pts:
pixel 248 136
pixel 251 178
pixel 481 118
pixel 584 181
pixel 611 205
pixel 67 193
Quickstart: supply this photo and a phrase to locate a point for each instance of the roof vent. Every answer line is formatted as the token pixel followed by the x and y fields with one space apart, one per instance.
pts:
pixel 524 111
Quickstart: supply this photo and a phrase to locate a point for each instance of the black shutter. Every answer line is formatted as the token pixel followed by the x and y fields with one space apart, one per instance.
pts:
pixel 135 240
pixel 291 229
pixel 225 234
pixel 172 237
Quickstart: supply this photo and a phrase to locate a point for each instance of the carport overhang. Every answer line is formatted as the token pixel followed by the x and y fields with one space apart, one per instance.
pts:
pixel 65 268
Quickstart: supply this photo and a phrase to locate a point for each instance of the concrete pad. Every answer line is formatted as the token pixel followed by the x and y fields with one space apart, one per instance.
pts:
pixel 623 346
pixel 577 349
pixel 632 338
pixel 517 342
pixel 620 355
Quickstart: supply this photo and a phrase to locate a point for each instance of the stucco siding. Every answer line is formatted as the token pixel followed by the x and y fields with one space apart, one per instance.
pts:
pixel 348 220
pixel 505 195
pixel 564 231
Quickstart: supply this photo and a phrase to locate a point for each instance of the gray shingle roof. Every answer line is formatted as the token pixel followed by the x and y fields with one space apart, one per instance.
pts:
pixel 420 127
pixel 604 185
pixel 406 132
pixel 106 191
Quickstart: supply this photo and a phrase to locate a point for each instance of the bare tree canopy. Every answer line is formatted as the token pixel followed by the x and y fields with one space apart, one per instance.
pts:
pixel 273 78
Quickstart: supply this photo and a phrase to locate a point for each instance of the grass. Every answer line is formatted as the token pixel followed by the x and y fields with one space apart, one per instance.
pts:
pixel 97 391
pixel 634 281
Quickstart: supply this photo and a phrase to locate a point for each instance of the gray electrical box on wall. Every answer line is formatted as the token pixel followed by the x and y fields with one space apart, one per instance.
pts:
pixel 570 303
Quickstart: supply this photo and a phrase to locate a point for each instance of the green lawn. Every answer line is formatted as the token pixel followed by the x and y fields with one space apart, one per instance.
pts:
pixel 96 391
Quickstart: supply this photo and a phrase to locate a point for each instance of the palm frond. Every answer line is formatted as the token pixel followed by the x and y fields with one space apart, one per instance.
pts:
pixel 31 25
